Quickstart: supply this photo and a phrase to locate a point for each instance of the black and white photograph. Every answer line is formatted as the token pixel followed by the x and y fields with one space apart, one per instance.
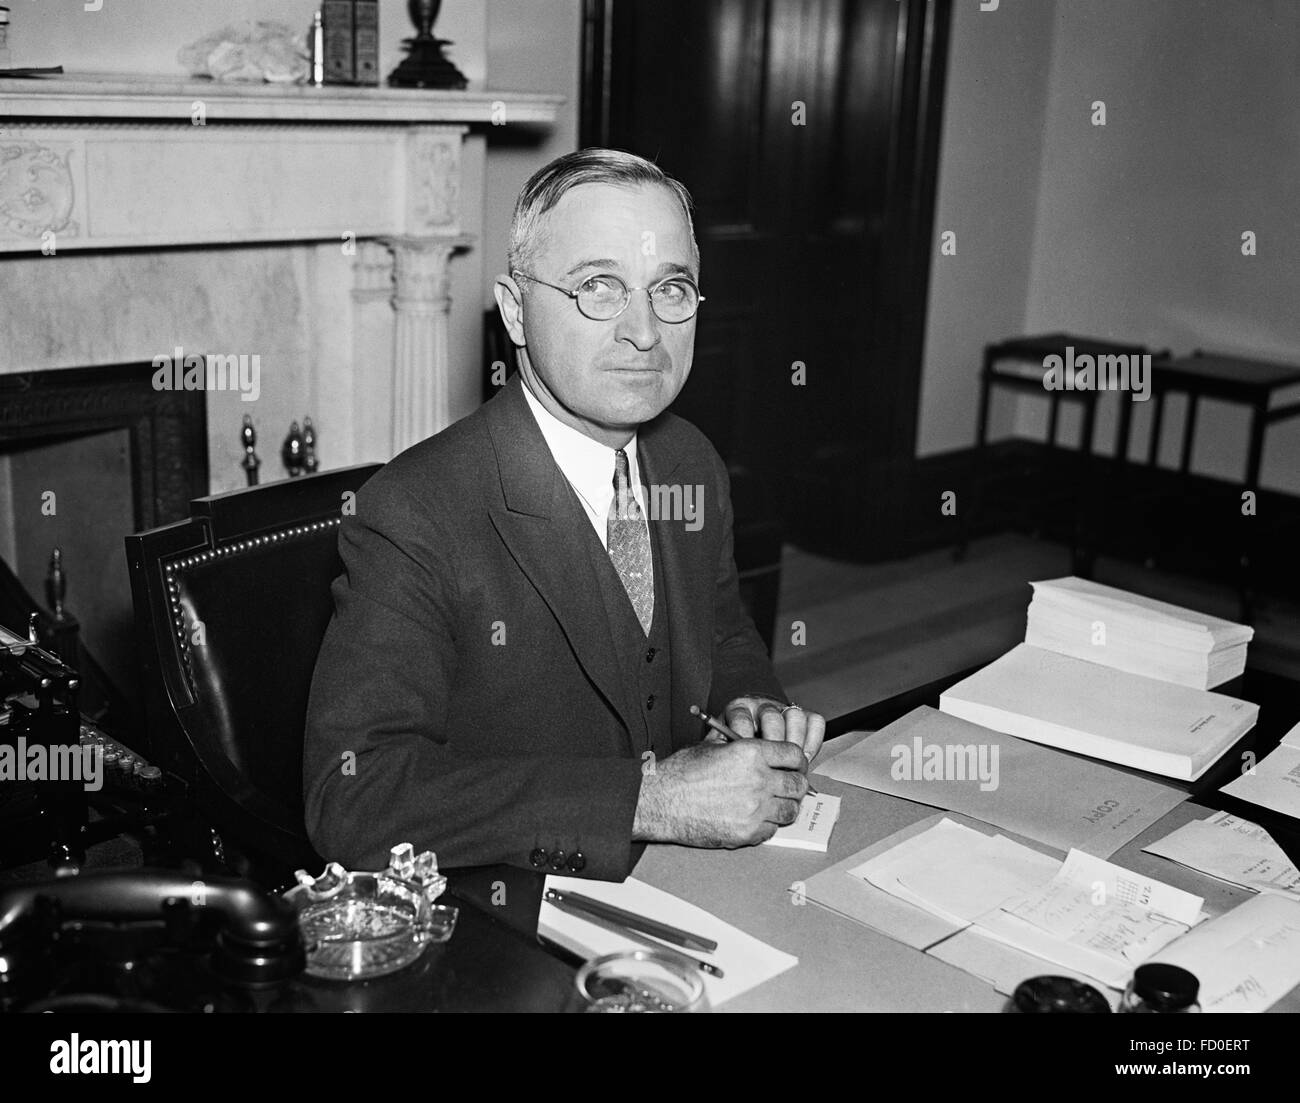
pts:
pixel 637 506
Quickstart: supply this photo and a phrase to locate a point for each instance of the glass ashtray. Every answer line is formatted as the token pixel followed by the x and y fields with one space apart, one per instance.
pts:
pixel 358 925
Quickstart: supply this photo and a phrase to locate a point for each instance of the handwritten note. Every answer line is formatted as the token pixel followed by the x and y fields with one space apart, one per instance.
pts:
pixel 1095 917
pixel 1232 849
pixel 1246 959
pixel 812 830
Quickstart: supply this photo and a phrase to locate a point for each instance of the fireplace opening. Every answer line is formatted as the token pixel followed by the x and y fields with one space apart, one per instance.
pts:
pixel 87 456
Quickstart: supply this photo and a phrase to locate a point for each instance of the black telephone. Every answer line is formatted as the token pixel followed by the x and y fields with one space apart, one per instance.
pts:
pixel 69 934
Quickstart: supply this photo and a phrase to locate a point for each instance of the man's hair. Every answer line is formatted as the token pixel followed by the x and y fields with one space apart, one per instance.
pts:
pixel 547 186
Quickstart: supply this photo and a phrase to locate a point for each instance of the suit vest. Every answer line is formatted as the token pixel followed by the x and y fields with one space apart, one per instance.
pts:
pixel 645 661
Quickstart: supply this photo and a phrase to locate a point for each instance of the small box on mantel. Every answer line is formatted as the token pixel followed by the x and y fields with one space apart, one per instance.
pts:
pixel 365 40
pixel 340 65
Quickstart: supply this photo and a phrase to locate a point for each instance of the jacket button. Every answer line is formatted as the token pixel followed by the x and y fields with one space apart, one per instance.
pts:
pixel 650 655
pixel 650 701
pixel 557 860
pixel 538 858
pixel 577 861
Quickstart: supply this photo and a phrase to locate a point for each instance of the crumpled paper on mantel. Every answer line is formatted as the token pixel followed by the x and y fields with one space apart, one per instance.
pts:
pixel 251 52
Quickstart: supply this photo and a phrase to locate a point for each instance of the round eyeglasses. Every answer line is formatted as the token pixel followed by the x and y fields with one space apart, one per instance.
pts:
pixel 603 297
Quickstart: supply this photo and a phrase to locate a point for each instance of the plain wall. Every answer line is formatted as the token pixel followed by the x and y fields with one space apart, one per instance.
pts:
pixel 1136 230
pixel 990 147
pixel 532 47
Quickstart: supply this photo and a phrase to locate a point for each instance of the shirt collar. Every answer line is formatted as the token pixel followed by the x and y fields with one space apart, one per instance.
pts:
pixel 586 463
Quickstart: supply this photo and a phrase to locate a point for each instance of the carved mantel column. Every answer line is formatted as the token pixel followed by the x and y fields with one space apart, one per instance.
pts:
pixel 421 362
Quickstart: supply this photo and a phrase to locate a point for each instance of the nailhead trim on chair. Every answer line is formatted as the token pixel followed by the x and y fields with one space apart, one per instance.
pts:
pixel 172 571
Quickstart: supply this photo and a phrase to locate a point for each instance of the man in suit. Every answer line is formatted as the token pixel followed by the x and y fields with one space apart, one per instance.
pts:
pixel 534 598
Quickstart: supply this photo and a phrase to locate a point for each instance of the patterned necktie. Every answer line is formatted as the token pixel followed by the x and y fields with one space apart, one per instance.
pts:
pixel 629 544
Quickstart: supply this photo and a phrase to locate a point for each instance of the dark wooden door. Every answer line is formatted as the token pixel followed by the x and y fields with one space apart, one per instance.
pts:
pixel 807 132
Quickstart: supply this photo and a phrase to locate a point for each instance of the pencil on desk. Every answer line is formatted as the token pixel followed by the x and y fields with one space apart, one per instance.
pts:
pixel 631 919
pixel 731 736
pixel 557 900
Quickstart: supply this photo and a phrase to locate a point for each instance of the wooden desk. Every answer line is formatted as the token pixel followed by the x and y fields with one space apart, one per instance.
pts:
pixel 844 966
pixel 1250 383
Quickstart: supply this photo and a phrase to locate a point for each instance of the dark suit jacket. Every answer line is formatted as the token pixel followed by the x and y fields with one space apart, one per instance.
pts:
pixel 467 697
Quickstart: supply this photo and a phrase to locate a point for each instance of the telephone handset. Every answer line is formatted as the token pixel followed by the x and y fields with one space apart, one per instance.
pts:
pixel 258 941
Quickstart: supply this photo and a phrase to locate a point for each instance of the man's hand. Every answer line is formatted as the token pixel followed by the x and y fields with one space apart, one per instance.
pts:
pixel 729 795
pixel 770 720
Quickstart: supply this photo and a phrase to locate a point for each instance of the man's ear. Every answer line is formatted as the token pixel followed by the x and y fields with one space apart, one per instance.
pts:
pixel 510 302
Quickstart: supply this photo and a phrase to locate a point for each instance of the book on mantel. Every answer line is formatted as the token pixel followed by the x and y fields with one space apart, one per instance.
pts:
pixel 1145 723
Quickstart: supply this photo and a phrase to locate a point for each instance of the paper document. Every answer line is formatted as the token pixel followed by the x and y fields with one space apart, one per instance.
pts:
pixel 1095 917
pixel 1109 714
pixel 956 873
pixel 932 758
pixel 745 961
pixel 1275 780
pixel 855 898
pixel 1246 959
pixel 1232 849
pixel 812 830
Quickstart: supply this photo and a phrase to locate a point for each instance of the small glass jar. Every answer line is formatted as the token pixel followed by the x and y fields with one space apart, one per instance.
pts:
pixel 640 981
pixel 1057 995
pixel 1161 989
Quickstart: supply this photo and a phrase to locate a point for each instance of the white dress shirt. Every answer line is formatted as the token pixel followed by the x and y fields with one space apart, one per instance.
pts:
pixel 588 465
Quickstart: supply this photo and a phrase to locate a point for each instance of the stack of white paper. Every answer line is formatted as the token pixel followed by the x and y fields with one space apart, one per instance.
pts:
pixel 1126 631
pixel 1079 706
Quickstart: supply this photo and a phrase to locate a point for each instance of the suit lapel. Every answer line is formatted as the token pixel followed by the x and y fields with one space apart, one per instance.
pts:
pixel 541 523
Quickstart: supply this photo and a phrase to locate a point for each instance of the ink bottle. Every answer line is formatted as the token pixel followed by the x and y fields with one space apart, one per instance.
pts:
pixel 1161 989
pixel 1056 995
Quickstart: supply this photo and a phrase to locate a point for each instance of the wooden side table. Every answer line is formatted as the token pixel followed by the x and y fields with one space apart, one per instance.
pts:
pixel 1230 378
pixel 1007 364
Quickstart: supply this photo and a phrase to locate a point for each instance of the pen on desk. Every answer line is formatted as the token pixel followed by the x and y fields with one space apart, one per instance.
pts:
pixel 557 900
pixel 630 919
pixel 731 736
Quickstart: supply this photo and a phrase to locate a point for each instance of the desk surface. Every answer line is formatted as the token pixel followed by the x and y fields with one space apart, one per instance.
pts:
pixel 843 965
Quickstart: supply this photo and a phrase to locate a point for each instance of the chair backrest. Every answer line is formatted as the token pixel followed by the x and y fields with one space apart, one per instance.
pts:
pixel 231 607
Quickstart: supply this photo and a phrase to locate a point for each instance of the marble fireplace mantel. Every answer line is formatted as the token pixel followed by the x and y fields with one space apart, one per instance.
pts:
pixel 115 163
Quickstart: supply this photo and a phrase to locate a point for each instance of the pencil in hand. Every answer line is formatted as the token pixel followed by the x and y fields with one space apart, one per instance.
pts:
pixel 731 736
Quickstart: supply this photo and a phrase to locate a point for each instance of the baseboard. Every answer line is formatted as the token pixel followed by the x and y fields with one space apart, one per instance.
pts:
pixel 1194 524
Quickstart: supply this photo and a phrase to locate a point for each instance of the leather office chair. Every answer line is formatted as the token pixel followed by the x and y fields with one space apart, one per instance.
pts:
pixel 231 607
